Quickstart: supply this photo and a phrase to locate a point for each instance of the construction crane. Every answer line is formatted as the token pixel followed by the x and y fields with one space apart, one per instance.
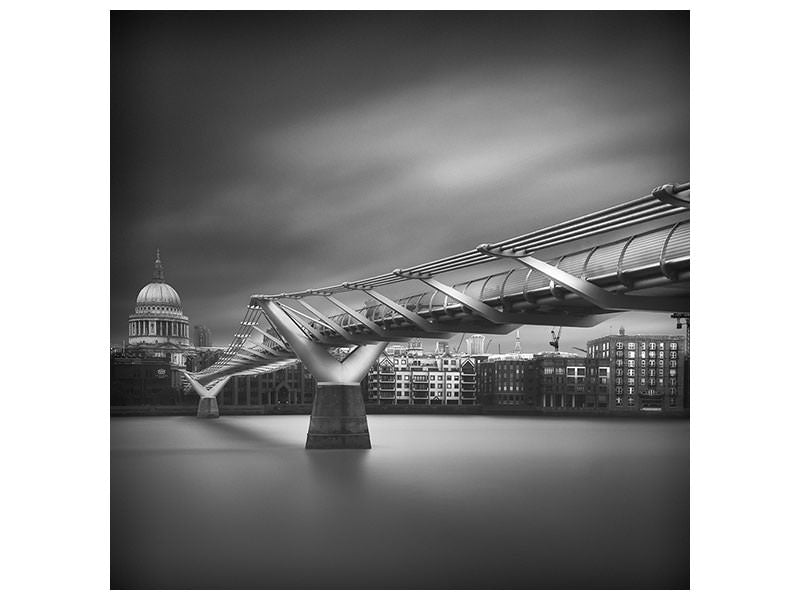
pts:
pixel 556 337
pixel 581 349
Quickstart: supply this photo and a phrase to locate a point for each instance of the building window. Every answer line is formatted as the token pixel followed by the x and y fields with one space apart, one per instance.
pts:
pixel 631 363
pixel 631 345
pixel 673 345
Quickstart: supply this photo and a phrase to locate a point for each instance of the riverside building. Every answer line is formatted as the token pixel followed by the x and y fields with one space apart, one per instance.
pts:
pixel 620 373
pixel 291 385
pixel 644 372
pixel 507 380
pixel 147 370
pixel 408 375
pixel 546 380
pixel 158 328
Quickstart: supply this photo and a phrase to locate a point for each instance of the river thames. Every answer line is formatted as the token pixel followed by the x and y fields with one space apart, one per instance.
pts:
pixel 440 502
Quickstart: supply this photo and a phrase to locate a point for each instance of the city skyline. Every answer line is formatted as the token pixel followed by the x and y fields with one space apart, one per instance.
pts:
pixel 264 153
pixel 273 152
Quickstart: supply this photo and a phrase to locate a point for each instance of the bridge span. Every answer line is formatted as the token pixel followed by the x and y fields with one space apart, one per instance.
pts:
pixel 632 256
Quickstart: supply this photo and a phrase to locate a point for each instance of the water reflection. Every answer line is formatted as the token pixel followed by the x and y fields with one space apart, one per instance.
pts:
pixel 440 502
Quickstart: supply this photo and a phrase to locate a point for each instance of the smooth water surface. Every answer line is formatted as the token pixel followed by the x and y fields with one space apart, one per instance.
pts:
pixel 439 502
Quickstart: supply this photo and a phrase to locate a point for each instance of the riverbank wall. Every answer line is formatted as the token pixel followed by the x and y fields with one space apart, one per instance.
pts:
pixel 397 409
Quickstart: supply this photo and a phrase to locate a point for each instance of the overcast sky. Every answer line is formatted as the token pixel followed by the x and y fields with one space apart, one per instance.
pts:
pixel 269 152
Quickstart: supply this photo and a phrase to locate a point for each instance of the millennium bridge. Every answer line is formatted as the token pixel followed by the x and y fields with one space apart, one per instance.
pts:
pixel 632 256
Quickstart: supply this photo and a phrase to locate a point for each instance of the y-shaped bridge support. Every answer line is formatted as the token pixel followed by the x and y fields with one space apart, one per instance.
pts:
pixel 338 417
pixel 207 408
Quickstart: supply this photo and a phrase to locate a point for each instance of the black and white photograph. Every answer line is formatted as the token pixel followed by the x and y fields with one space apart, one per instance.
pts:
pixel 369 300
pixel 399 300
pixel 376 300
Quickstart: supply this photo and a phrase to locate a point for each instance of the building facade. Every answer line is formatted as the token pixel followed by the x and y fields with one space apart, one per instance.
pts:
pixel 475 344
pixel 408 375
pixel 147 369
pixel 202 336
pixel 620 373
pixel 560 381
pixel 645 372
pixel 158 328
pixel 142 381
pixel 506 380
pixel 291 385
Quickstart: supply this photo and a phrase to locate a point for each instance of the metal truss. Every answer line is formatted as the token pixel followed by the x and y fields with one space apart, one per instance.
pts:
pixel 576 297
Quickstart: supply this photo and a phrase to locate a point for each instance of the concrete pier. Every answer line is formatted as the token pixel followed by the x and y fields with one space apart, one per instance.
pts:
pixel 207 408
pixel 338 418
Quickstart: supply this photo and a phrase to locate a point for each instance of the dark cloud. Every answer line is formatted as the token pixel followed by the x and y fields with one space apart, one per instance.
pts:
pixel 272 151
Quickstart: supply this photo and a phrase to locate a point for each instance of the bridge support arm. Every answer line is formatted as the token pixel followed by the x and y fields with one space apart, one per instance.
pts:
pixel 329 322
pixel 412 317
pixel 324 367
pixel 591 292
pixel 357 316
pixel 271 337
pixel 497 317
pixel 487 312
pixel 338 416
pixel 207 407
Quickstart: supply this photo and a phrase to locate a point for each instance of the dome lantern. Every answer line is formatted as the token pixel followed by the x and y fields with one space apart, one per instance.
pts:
pixel 158 271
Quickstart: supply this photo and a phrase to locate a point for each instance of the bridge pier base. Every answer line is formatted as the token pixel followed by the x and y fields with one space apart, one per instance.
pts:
pixel 338 418
pixel 207 408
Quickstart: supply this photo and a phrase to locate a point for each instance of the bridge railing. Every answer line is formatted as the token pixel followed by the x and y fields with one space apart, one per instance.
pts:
pixel 663 252
pixel 632 263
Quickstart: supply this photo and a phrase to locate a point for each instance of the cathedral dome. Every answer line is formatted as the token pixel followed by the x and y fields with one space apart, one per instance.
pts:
pixel 158 295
